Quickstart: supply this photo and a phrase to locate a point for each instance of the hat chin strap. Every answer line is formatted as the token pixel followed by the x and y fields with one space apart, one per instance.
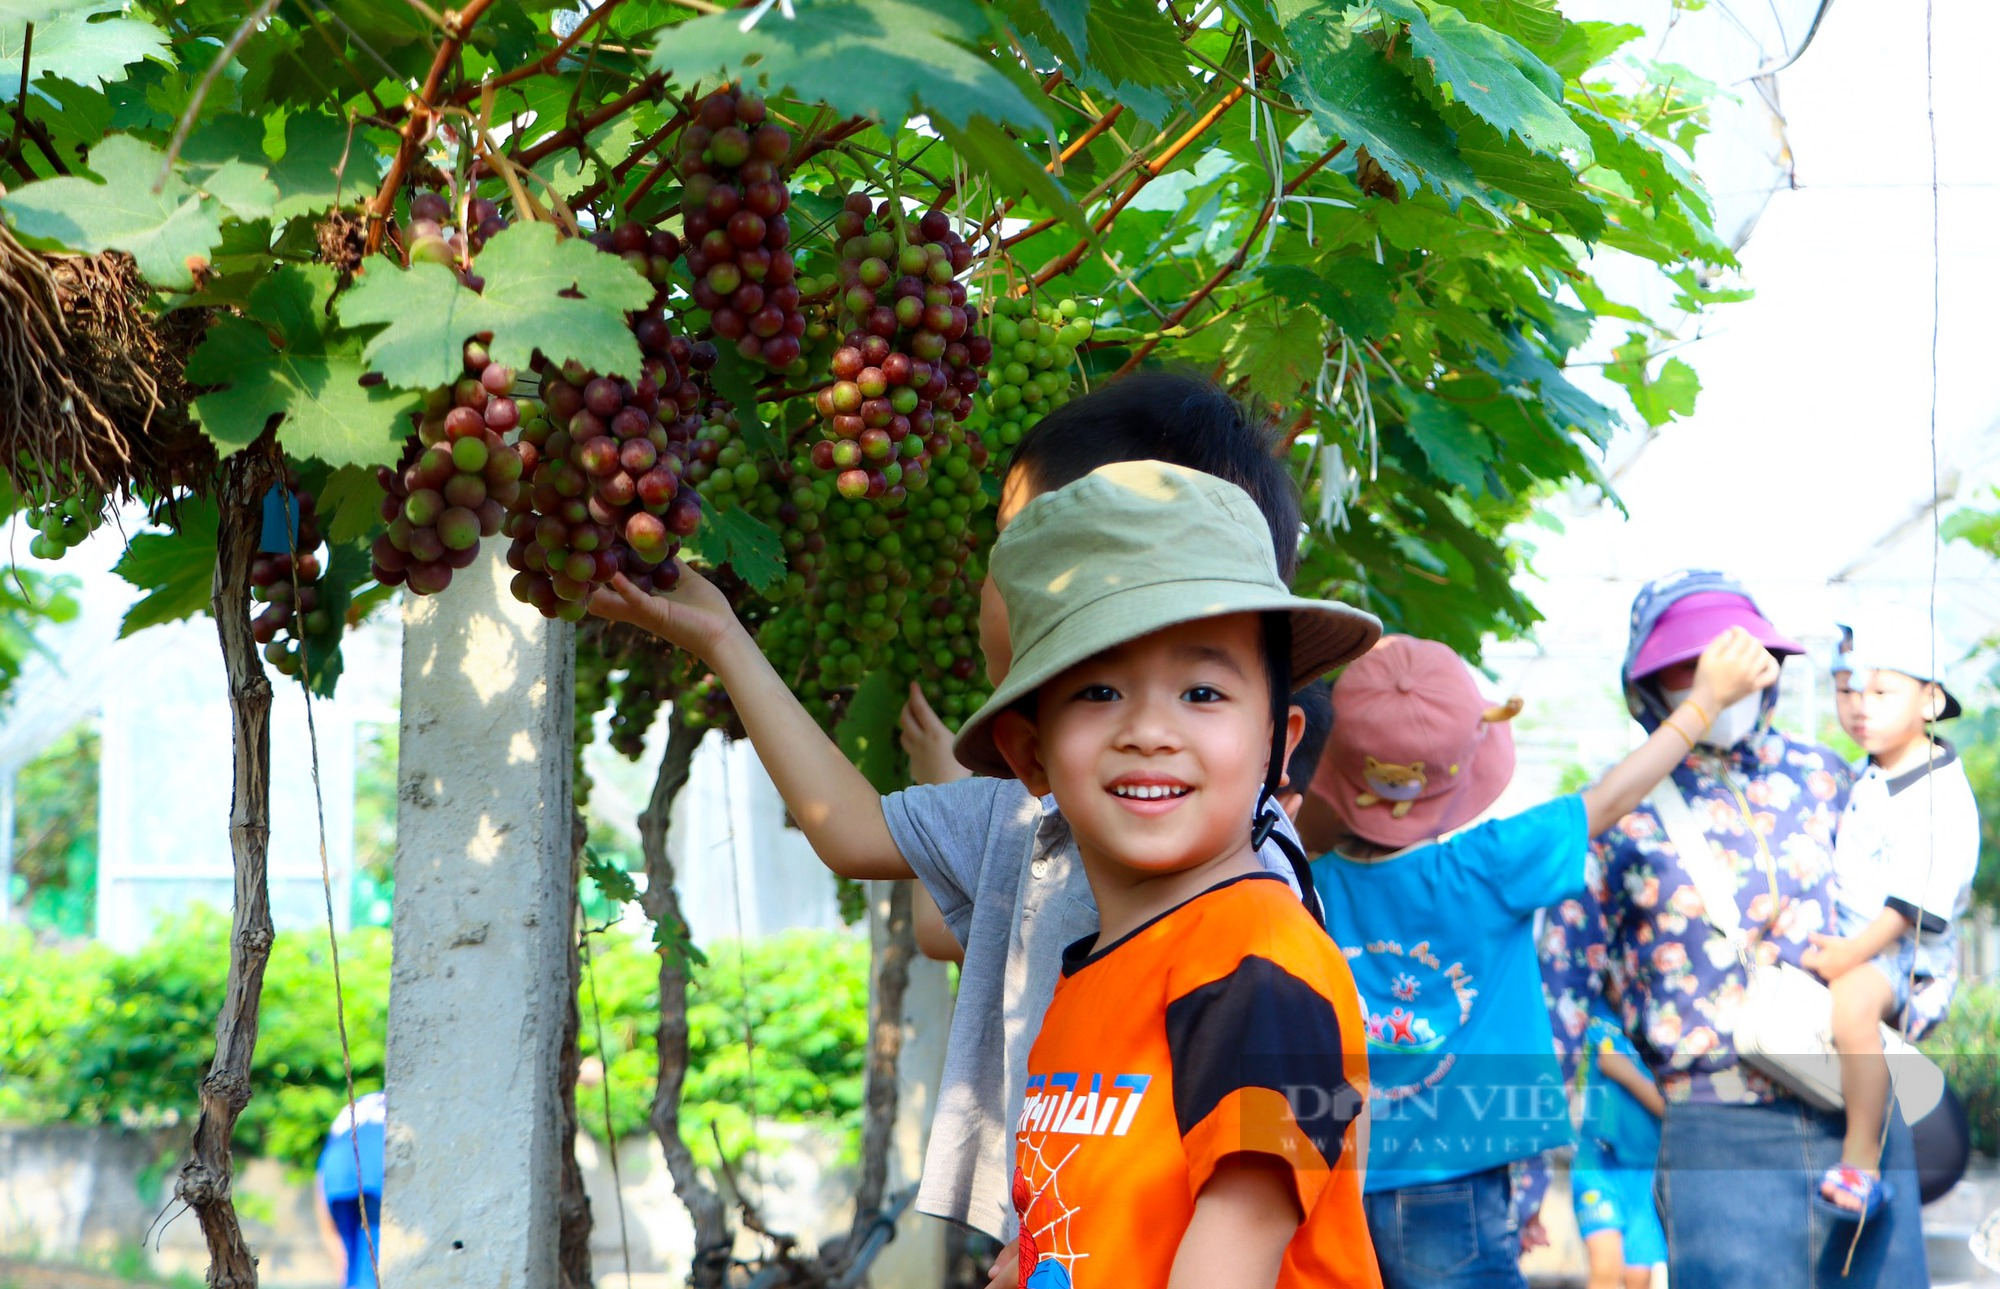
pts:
pixel 1265 818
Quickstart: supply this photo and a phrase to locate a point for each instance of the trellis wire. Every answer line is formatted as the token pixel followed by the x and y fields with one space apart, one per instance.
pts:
pixel 293 513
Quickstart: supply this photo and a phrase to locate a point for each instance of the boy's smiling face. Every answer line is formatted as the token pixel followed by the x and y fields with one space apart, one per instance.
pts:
pixel 1889 711
pixel 1155 750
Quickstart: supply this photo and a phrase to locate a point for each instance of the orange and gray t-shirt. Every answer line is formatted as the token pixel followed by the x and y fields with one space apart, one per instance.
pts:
pixel 1229 1024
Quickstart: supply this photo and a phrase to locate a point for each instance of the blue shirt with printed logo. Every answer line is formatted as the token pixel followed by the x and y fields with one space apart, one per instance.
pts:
pixel 1440 939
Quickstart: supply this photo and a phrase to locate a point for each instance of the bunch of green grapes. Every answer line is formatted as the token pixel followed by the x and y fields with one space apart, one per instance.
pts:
pixel 62 510
pixel 1033 367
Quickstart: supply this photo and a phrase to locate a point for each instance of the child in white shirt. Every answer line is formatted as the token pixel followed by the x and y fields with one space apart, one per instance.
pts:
pixel 1903 858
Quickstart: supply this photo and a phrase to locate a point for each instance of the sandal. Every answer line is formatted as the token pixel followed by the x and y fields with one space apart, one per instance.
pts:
pixel 1872 1193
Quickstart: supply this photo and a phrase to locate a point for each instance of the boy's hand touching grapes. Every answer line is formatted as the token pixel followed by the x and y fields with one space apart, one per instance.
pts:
pixel 1735 665
pixel 693 616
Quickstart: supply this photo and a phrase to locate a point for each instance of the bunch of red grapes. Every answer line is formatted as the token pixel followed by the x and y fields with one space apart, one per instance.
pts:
pixel 910 362
pixel 650 252
pixel 457 478
pixel 431 241
pixel 733 203
pixel 287 584
pixel 604 457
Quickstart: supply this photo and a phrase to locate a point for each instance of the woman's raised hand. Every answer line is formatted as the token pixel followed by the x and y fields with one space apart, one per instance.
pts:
pixel 1735 665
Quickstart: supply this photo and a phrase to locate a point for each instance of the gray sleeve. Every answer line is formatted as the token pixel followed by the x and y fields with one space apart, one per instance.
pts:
pixel 943 831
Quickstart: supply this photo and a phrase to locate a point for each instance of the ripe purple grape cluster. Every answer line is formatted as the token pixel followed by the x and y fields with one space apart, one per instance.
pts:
pixel 604 458
pixel 431 240
pixel 293 623
pixel 650 252
pixel 733 203
pixel 457 478
pixel 911 359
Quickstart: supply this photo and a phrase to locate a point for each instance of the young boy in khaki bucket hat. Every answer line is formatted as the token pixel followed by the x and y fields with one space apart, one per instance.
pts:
pixel 1194 1095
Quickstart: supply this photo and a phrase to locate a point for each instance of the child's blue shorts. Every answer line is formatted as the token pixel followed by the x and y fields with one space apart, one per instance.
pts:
pixel 1609 1196
pixel 1930 962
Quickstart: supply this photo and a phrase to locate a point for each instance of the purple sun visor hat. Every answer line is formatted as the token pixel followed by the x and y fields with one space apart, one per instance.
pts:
pixel 1691 623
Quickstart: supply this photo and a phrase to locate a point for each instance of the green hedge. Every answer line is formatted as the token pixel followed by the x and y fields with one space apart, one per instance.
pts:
pixel 92 1036
pixel 1967 1047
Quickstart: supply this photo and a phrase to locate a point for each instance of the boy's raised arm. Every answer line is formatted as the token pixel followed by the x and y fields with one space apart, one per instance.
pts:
pixel 833 803
pixel 1734 665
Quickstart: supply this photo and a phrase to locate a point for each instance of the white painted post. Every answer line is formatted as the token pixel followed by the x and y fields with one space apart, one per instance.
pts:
pixel 915 1259
pixel 481 928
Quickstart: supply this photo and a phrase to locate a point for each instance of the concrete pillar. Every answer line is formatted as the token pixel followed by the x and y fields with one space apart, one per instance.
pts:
pixel 915 1259
pixel 481 927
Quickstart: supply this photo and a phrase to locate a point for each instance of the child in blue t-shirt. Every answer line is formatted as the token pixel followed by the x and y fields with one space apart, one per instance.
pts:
pixel 1438 927
pixel 1611 1175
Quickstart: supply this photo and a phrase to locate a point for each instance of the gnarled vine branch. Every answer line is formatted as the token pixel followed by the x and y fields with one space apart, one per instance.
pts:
pixel 204 1184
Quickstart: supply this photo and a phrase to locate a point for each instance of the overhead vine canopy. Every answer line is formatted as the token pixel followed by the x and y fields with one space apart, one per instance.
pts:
pixel 1378 220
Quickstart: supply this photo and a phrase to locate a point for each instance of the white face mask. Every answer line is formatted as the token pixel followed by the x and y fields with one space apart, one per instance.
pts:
pixel 1732 724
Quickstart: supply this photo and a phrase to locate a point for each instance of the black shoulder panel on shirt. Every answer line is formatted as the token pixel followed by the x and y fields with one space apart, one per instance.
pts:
pixel 1260 1026
pixel 1929 921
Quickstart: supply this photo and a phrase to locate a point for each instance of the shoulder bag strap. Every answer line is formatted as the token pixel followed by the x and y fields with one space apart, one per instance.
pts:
pixel 1718 898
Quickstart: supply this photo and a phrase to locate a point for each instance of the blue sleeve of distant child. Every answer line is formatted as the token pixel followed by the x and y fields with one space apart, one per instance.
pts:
pixel 1530 860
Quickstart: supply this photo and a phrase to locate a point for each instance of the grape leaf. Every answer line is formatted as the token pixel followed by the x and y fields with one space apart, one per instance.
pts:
pixel 1457 452
pixel 162 231
pixel 243 189
pixel 1529 368
pixel 746 543
pixel 735 379
pixel 867 733
pixel 1272 351
pixel 429 314
pixel 1660 398
pixel 68 44
pixel 1070 18
pixel 14 13
pixel 1136 44
pixel 348 502
pixel 176 569
pixel 1354 94
pixel 1493 75
pixel 315 146
pixel 1541 181
pixel 986 147
pixel 921 58
pixel 225 159
pixel 1533 22
pixel 1354 292
pixel 615 882
pixel 526 267
pixel 286 359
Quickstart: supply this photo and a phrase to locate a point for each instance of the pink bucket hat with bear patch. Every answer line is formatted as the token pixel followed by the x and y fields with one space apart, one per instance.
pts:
pixel 1416 749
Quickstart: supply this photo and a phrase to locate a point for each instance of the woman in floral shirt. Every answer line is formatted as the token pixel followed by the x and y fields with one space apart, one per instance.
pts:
pixel 1738 1154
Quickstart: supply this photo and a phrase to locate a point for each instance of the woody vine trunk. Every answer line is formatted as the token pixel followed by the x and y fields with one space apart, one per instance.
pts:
pixel 204 1183
pixel 886 988
pixel 713 1239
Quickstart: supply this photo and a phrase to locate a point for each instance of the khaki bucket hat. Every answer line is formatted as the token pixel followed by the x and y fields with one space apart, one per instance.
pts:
pixel 1130 549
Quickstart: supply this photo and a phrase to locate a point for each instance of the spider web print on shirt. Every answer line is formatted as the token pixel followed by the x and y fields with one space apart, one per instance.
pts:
pixel 1048 1257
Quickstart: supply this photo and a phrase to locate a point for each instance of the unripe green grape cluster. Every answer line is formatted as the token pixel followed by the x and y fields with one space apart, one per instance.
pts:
pixel 1033 367
pixel 61 522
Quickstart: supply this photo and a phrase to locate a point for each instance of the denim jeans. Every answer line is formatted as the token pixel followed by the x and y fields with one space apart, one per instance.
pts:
pixel 1448 1234
pixel 1735 1185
